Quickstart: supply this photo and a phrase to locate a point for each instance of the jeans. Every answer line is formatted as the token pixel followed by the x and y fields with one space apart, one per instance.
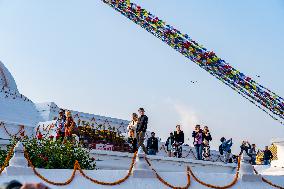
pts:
pixel 253 159
pixel 226 156
pixel 266 162
pixel 152 152
pixel 140 140
pixel 198 149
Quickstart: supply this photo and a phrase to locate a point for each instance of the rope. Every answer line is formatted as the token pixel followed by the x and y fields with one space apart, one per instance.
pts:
pixel 77 167
pixel 47 129
pixel 218 187
pixel 165 182
pixel 268 182
pixel 111 183
pixel 6 162
pixel 45 179
pixel 21 130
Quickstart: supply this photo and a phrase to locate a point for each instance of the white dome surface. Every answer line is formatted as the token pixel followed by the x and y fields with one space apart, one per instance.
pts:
pixel 15 108
pixel 6 79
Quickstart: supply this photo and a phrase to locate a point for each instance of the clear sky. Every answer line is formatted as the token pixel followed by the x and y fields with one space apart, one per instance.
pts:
pixel 85 56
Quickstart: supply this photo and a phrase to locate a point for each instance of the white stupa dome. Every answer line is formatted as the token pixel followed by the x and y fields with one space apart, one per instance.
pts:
pixel 15 108
pixel 6 79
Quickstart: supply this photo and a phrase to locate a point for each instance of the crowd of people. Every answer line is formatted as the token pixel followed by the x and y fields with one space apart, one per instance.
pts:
pixel 251 151
pixel 201 140
pixel 137 130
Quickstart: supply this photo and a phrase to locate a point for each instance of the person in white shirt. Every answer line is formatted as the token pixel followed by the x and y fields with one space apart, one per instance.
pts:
pixel 133 124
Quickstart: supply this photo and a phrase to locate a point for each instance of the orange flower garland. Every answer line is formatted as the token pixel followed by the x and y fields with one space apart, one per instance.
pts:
pixel 48 181
pixel 111 183
pixel 6 162
pixel 269 182
pixel 165 182
pixel 21 130
pixel 77 167
pixel 219 187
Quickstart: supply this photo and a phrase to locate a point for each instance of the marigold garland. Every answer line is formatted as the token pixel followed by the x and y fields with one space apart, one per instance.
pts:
pixel 165 182
pixel 21 130
pixel 6 162
pixel 45 179
pixel 268 182
pixel 47 129
pixel 219 187
pixel 77 167
pixel 110 183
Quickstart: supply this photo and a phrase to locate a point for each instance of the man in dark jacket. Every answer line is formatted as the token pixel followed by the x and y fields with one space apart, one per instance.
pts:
pixel 141 129
pixel 253 154
pixel 245 147
pixel 267 156
pixel 179 140
pixel 152 145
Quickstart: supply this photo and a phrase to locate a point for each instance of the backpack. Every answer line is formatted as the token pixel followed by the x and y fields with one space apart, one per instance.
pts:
pixel 221 150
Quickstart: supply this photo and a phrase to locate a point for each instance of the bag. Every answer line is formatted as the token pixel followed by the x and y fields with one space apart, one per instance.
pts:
pixel 221 149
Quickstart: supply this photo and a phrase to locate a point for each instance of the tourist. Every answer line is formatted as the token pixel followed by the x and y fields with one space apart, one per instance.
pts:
pixel 133 124
pixel 70 125
pixel 141 129
pixel 60 123
pixel 179 140
pixel 197 141
pixel 225 148
pixel 152 145
pixel 169 144
pixel 133 141
pixel 245 147
pixel 267 156
pixel 206 146
pixel 235 159
pixel 253 154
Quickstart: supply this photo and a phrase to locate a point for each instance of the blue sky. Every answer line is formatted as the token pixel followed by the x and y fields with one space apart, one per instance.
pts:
pixel 84 56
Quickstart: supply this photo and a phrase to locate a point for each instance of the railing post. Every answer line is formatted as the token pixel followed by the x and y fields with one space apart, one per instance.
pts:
pixel 141 168
pixel 247 171
pixel 18 165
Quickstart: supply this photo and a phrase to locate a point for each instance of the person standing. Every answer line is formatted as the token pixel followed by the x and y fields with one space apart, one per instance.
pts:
pixel 225 148
pixel 133 141
pixel 245 147
pixel 141 129
pixel 133 124
pixel 60 124
pixel 152 145
pixel 253 154
pixel 206 143
pixel 198 137
pixel 70 125
pixel 179 140
pixel 169 144
pixel 267 156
